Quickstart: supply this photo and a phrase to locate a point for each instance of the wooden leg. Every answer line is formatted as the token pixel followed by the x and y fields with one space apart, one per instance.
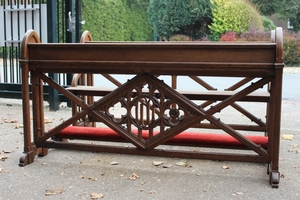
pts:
pixel 29 149
pixel 274 179
pixel 274 167
pixel 27 158
pixel 43 152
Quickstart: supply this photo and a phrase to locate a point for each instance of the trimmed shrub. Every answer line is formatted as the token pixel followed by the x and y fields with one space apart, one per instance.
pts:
pixel 168 16
pixel 233 15
pixel 136 25
pixel 114 20
pixel 186 17
pixel 104 19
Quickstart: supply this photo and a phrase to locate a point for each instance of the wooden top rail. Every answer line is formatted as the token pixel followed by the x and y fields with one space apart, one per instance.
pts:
pixel 157 58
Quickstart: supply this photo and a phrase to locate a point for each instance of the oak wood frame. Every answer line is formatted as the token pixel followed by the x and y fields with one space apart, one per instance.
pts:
pixel 250 60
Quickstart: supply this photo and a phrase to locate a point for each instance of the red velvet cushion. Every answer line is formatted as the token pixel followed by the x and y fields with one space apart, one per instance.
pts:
pixel 184 138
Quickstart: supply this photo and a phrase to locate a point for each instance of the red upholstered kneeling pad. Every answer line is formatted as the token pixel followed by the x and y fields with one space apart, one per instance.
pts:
pixel 184 138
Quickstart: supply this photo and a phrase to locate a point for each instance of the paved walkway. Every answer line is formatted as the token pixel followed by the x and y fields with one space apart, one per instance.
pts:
pixel 78 175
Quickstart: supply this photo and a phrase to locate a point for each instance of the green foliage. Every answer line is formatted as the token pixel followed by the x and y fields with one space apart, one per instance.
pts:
pixel 171 17
pixel 267 7
pixel 268 24
pixel 201 14
pixel 116 20
pixel 287 10
pixel 137 25
pixel 103 17
pixel 168 16
pixel 291 47
pixel 291 11
pixel 233 15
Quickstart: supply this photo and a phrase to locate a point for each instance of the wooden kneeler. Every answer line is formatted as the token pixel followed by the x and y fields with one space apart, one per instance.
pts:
pixel 196 139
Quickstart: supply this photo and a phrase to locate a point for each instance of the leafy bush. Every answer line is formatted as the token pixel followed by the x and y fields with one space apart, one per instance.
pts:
pixel 115 20
pixel 167 16
pixel 233 15
pixel 137 25
pixel 228 37
pixel 291 48
pixel 268 24
pixel 187 17
pixel 104 19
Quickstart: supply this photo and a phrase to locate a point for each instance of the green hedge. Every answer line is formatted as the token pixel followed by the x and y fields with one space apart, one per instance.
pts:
pixel 138 26
pixel 114 20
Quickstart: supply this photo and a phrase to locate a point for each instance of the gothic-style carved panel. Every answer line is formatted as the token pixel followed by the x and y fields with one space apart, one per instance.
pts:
pixel 149 108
